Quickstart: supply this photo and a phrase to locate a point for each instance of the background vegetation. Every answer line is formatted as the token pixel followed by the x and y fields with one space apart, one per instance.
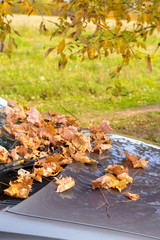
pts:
pixel 85 89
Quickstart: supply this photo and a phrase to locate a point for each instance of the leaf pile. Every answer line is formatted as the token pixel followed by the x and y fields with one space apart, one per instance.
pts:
pixel 52 140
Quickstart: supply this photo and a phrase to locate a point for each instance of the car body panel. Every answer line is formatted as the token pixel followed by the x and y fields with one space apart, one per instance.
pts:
pixel 84 206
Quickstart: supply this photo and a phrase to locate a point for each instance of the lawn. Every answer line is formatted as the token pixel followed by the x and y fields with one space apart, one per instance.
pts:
pixel 80 88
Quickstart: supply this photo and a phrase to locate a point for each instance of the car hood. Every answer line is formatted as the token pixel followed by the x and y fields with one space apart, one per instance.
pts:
pixel 82 205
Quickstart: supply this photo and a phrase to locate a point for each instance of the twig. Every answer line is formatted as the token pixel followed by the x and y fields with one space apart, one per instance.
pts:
pixel 136 172
pixel 108 205
pixel 70 113
pixel 104 197
pixel 4 183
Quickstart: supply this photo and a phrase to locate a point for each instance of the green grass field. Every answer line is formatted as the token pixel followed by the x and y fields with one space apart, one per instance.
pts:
pixel 80 88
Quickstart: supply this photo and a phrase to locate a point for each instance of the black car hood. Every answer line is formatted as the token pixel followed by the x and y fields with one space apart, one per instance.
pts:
pixel 83 205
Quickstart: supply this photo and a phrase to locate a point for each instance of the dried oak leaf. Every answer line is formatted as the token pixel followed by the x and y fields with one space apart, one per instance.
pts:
pixel 4 155
pixel 21 187
pixel 132 196
pixel 141 163
pixel 64 183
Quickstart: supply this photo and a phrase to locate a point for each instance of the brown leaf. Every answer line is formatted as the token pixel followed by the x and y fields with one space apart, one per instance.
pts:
pixel 82 157
pixel 103 127
pixel 121 185
pixel 109 181
pixel 132 196
pixel 106 181
pixel 61 46
pixel 81 142
pixel 14 113
pixel 141 163
pixel 4 155
pixel 102 147
pixel 125 176
pixel 48 52
pixel 32 143
pixel 149 65
pixel 34 117
pixel 68 132
pixel 21 187
pixel 64 183
pixel 117 169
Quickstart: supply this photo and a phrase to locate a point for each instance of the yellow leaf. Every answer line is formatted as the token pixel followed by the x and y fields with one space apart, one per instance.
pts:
pixel 91 53
pixel 61 46
pixel 121 185
pixel 158 26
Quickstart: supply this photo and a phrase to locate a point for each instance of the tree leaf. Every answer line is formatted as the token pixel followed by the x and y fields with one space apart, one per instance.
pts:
pixel 61 46
pixel 149 65
pixel 48 51
pixel 91 53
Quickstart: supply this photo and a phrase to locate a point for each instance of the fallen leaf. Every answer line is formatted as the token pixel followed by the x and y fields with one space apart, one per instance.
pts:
pixel 64 183
pixel 116 169
pixel 109 181
pixel 21 187
pixel 106 181
pixel 103 127
pixel 34 117
pixel 125 176
pixel 81 142
pixel 121 185
pixel 132 196
pixel 102 147
pixel 82 157
pixel 141 163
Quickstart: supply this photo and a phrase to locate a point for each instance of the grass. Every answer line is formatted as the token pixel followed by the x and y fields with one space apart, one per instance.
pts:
pixel 144 125
pixel 81 87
